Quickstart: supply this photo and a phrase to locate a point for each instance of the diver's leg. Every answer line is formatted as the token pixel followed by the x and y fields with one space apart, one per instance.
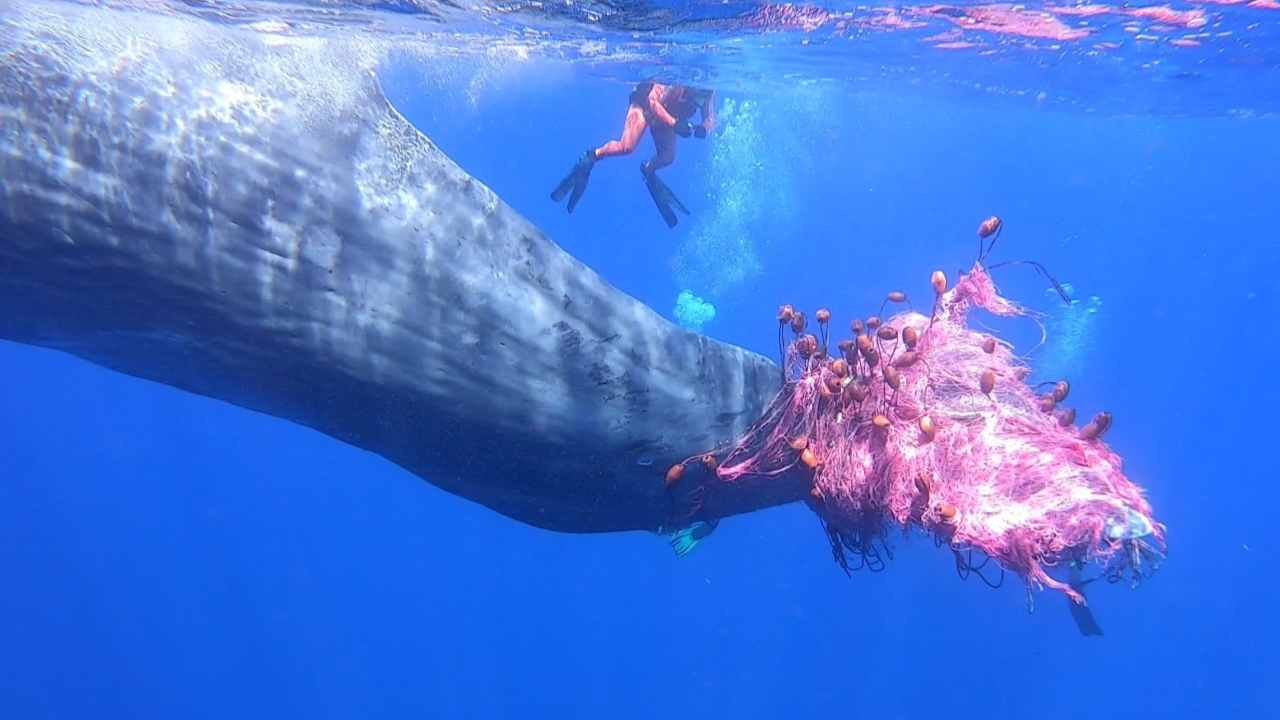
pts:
pixel 664 143
pixel 632 131
pixel 664 139
pixel 576 180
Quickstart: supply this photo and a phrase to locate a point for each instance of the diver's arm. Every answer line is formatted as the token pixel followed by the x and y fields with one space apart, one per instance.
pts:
pixel 709 112
pixel 655 104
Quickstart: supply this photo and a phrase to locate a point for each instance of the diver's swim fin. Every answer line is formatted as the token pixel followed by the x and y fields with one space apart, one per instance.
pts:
pixel 662 196
pixel 684 541
pixel 576 180
pixel 1086 623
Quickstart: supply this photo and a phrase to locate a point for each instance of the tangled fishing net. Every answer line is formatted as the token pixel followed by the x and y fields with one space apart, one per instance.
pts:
pixel 919 421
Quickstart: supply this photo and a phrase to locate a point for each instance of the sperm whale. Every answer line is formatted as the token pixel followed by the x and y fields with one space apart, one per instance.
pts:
pixel 242 216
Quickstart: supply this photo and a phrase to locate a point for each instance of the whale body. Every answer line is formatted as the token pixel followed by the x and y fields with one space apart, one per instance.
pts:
pixel 247 218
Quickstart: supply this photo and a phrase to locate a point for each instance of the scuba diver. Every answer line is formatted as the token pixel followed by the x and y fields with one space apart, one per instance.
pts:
pixel 666 111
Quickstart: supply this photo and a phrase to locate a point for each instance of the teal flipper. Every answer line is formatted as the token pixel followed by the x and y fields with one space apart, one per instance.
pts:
pixel 685 540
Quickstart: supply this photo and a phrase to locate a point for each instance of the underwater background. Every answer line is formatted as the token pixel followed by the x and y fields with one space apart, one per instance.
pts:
pixel 167 555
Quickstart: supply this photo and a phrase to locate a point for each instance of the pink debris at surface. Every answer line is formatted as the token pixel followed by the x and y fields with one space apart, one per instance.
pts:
pixel 787 16
pixel 1060 22
pixel 1185 42
pixel 1049 22
pixel 1080 10
pixel 1006 20
pixel 1165 14
pixel 889 19
pixel 1257 4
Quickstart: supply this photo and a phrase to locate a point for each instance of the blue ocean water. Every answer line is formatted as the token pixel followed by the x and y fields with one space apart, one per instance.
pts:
pixel 168 555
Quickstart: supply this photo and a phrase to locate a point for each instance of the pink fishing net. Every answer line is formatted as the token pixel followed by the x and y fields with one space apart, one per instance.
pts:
pixel 923 422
